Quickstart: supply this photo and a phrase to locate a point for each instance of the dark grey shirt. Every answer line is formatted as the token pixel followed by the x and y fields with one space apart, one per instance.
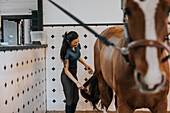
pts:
pixel 73 56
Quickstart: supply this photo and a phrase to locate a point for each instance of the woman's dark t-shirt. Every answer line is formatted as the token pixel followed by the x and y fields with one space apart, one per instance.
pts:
pixel 73 56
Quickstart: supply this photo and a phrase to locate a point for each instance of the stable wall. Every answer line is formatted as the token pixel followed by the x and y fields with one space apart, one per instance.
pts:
pixel 89 11
pixel 22 79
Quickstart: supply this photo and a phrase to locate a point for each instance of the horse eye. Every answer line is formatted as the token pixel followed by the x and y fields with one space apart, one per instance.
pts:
pixel 128 11
pixel 168 11
pixel 162 50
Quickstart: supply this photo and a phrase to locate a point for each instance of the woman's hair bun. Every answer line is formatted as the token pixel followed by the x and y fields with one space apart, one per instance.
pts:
pixel 65 34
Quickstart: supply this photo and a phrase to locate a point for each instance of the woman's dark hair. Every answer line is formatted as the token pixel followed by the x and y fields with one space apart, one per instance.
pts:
pixel 67 39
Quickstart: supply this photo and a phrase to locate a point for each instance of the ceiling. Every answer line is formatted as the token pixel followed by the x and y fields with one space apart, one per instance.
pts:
pixel 17 7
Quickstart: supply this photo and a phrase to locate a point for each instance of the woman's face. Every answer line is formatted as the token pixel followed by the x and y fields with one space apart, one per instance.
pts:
pixel 75 42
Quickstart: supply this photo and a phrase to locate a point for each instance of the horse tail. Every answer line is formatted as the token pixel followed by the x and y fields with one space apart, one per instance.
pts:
pixel 92 94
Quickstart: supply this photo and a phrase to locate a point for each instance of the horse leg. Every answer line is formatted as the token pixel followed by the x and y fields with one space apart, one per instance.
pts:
pixel 105 91
pixel 123 107
pixel 104 110
pixel 116 103
pixel 161 107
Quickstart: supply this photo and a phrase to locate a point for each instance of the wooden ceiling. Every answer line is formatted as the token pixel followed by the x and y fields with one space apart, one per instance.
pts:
pixel 17 7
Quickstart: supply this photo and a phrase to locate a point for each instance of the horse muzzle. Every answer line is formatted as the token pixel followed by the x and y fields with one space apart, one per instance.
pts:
pixel 149 88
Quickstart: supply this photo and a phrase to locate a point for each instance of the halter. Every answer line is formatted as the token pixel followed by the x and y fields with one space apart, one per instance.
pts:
pixel 123 50
pixel 142 43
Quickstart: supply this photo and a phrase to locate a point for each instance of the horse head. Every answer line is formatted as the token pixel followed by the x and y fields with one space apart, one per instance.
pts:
pixel 148 23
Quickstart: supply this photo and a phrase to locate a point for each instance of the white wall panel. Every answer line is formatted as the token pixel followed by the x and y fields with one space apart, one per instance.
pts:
pixel 89 11
pixel 22 81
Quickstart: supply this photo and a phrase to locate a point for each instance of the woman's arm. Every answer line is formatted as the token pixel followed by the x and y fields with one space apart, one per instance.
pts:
pixel 67 72
pixel 81 60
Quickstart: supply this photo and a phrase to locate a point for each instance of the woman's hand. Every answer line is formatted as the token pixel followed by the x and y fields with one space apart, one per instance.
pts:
pixel 88 67
pixel 80 86
pixel 90 71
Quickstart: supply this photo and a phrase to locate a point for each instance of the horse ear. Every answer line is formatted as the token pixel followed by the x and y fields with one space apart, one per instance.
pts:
pixel 168 2
pixel 125 1
pixel 123 4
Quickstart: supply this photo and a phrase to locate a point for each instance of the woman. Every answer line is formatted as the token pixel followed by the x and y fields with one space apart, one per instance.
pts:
pixel 70 53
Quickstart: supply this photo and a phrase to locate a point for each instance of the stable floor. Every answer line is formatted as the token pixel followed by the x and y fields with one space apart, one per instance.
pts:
pixel 98 112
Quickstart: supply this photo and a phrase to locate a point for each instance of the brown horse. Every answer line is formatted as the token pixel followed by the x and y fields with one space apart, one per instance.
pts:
pixel 140 79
